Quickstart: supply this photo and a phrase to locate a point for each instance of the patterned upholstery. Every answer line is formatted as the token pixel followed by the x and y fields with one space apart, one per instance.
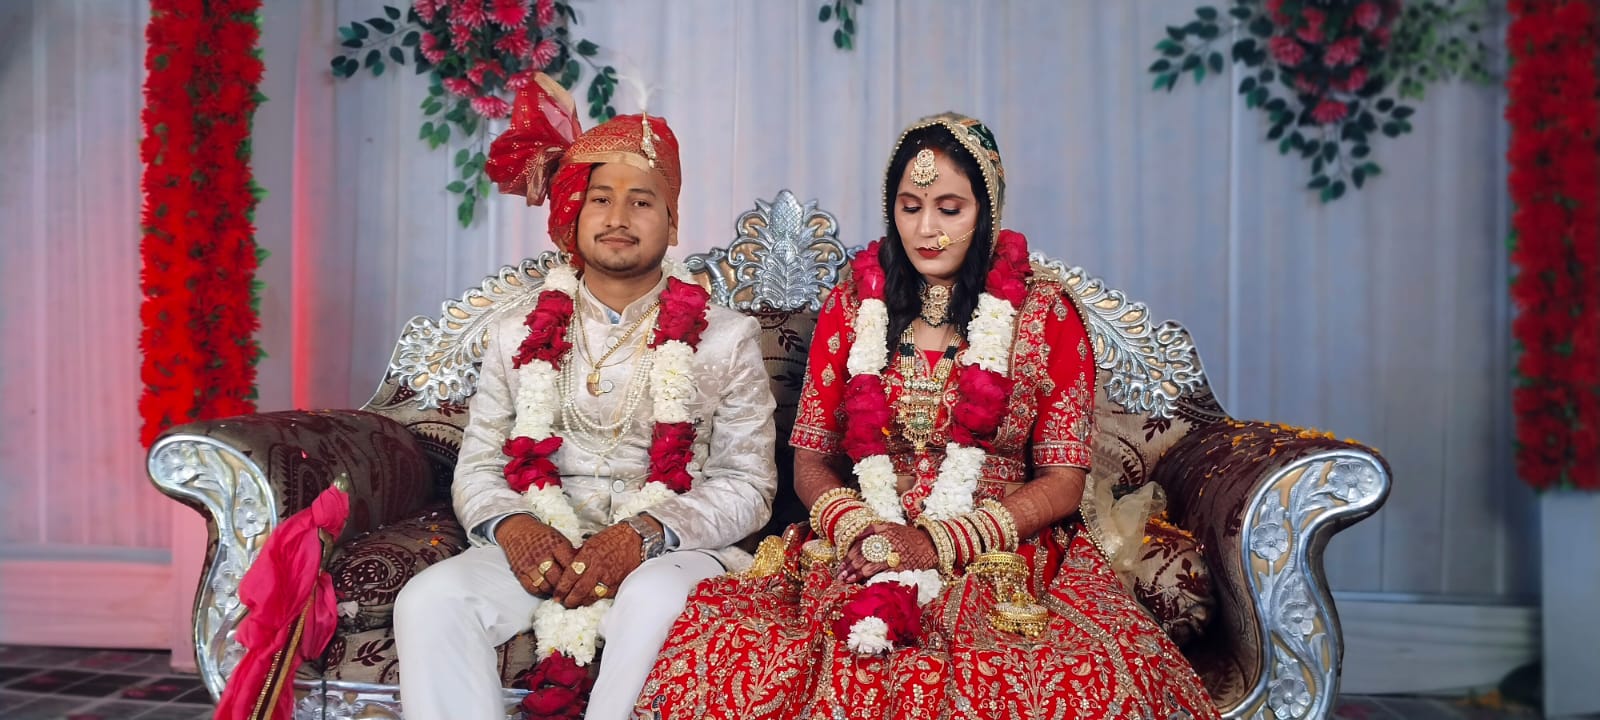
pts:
pixel 301 452
pixel 369 570
pixel 1172 578
pixel 1209 476
pixel 1173 581
pixel 369 657
pixel 785 340
pixel 1129 444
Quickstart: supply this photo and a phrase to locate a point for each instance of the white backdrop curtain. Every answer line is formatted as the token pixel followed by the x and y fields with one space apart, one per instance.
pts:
pixel 1382 317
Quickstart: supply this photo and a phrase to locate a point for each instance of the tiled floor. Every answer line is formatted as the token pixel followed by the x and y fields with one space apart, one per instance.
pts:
pixel 72 684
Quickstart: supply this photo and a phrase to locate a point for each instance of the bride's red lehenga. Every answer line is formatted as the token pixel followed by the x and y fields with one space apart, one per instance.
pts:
pixel 752 648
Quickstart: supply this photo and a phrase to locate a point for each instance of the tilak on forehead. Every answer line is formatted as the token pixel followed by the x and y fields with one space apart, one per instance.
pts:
pixel 544 155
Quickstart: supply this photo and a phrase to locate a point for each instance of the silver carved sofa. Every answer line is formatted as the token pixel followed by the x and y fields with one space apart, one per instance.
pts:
pixel 1261 500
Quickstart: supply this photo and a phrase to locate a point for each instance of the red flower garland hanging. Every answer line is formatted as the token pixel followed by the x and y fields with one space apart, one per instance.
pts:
pixel 197 246
pixel 1555 183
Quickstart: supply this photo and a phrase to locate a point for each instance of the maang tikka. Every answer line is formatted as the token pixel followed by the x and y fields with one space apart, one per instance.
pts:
pixel 923 172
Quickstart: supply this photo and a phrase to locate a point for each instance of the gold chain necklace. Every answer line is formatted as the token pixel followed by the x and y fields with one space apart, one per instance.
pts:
pixel 592 382
pixel 922 394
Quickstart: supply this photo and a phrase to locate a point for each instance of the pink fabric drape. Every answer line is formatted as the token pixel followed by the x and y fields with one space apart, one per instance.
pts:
pixel 291 612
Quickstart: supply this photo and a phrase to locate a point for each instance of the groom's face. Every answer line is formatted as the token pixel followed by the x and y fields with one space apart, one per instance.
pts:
pixel 624 227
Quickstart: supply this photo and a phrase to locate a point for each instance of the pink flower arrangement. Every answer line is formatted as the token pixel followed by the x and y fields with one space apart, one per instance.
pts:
pixel 479 53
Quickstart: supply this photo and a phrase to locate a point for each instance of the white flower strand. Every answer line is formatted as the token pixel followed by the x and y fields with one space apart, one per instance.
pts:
pixel 562 279
pixel 550 505
pixel 989 335
pixel 649 496
pixel 869 636
pixel 574 632
pixel 958 480
pixel 989 347
pixel 869 353
pixel 536 401
pixel 878 491
pixel 926 582
pixel 672 381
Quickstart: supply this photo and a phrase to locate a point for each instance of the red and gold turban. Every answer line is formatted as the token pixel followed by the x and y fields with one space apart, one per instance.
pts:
pixel 542 155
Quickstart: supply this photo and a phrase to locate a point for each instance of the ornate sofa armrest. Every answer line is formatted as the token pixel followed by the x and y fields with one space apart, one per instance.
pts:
pixel 1264 500
pixel 246 473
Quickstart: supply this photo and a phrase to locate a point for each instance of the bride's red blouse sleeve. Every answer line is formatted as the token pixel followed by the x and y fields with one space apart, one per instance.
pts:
pixel 1066 404
pixel 816 426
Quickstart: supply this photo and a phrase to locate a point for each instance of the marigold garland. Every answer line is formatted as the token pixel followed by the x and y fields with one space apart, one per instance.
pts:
pixel 1555 184
pixel 197 242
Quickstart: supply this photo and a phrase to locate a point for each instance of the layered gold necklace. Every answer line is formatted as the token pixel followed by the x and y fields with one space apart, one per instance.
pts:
pixel 592 381
pixel 922 390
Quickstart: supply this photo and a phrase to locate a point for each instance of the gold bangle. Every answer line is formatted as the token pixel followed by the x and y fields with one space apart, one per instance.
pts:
pixel 966 540
pixel 850 527
pixel 819 507
pixel 995 531
pixel 1008 525
pixel 1026 618
pixel 816 552
pixel 941 544
pixel 839 508
pixel 988 530
pixel 986 539
pixel 835 513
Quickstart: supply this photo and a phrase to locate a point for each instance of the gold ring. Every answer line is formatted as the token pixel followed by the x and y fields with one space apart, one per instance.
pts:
pixel 877 549
pixel 600 590
pixel 893 560
pixel 545 566
pixel 577 568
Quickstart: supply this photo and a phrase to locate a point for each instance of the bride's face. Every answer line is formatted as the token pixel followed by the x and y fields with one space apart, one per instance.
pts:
pixel 946 207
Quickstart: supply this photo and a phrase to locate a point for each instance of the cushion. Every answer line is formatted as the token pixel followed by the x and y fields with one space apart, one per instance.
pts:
pixel 1171 579
pixel 370 657
pixel 1131 442
pixel 785 341
pixel 370 569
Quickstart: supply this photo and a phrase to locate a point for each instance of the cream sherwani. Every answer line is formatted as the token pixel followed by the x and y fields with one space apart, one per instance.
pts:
pixel 452 616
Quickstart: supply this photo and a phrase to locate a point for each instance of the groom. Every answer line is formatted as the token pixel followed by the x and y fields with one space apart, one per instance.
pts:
pixel 597 396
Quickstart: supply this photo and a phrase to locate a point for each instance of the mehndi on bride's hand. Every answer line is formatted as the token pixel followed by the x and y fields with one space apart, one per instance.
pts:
pixel 909 548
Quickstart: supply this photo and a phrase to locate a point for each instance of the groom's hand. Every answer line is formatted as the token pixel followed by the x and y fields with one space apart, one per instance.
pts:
pixel 600 566
pixel 537 552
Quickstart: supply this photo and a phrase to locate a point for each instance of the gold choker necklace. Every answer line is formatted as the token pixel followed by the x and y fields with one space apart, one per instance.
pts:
pixel 935 304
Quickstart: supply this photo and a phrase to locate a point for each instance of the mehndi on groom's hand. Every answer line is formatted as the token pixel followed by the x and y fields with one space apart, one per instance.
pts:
pixel 538 553
pixel 600 566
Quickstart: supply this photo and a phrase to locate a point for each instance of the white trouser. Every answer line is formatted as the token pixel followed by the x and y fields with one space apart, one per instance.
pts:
pixel 450 618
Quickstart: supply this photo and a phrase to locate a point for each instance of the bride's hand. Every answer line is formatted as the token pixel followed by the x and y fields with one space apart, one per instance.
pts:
pixel 912 546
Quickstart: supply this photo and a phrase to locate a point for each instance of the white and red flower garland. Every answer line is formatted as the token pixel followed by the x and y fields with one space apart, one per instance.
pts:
pixel 886 614
pixel 530 470
pixel 877 619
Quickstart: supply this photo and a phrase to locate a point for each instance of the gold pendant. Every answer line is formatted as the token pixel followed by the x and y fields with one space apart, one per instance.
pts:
pixel 592 383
